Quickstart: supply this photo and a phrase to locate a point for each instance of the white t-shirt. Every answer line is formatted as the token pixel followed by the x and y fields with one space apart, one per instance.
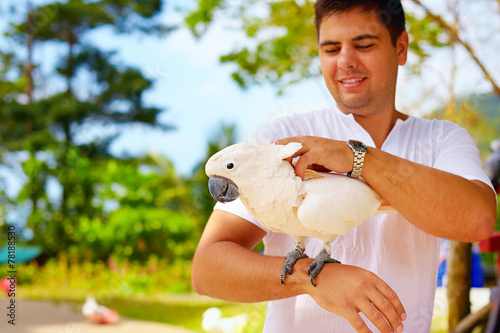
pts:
pixel 388 245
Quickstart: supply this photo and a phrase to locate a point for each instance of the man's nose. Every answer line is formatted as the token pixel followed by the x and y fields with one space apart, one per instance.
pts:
pixel 347 59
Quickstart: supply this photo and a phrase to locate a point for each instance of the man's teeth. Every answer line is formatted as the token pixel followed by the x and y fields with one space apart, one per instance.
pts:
pixel 353 80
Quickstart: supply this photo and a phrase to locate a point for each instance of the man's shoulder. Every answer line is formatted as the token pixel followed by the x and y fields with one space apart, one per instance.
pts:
pixel 437 132
pixel 433 124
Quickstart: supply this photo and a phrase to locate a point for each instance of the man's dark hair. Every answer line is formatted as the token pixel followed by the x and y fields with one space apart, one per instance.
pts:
pixel 389 12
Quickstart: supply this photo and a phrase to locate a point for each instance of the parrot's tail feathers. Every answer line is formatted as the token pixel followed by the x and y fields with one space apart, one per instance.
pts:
pixel 385 208
pixel 311 174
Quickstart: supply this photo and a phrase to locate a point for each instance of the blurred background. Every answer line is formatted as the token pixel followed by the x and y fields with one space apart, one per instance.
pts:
pixel 109 110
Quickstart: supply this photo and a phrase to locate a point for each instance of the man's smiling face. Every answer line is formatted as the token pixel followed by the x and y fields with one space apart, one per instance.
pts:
pixel 359 61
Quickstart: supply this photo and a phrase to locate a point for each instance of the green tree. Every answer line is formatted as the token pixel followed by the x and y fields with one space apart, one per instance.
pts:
pixel 147 209
pixel 87 90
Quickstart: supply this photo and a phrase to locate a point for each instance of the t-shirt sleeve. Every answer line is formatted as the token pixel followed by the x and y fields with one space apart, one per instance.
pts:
pixel 459 155
pixel 237 208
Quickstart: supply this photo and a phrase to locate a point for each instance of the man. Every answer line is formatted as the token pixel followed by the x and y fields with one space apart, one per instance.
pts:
pixel 429 171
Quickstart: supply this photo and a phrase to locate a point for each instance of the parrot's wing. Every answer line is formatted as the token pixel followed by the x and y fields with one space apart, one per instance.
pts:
pixel 333 204
pixel 385 206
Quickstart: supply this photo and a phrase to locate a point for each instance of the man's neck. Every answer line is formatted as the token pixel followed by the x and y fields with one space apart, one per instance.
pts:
pixel 379 125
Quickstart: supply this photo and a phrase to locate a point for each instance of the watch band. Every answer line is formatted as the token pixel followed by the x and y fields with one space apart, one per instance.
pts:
pixel 359 149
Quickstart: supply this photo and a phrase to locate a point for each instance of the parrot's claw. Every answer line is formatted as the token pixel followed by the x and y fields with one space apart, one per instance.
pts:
pixel 317 265
pixel 291 259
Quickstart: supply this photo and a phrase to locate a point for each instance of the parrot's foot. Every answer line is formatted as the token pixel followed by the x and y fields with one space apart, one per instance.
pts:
pixel 317 265
pixel 291 259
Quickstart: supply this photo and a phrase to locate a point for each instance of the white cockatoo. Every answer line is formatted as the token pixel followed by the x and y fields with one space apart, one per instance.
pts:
pixel 323 205
pixel 213 322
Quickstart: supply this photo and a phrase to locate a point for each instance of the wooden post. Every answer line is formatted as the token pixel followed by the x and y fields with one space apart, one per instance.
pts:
pixel 459 282
pixel 476 319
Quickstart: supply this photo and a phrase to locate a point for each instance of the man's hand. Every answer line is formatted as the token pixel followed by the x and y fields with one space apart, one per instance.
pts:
pixel 320 154
pixel 348 290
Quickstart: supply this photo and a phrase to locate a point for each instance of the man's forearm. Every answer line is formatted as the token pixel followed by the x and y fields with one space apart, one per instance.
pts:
pixel 444 204
pixel 231 272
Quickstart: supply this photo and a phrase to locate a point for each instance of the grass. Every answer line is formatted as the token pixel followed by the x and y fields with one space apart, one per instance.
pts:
pixel 174 309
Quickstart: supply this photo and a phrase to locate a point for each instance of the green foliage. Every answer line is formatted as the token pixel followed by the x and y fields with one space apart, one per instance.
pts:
pixel 49 124
pixel 283 43
pixel 152 213
pixel 199 20
pixel 478 114
pixel 112 277
pixel 68 21
pixel 425 34
pixel 136 233
pixel 283 59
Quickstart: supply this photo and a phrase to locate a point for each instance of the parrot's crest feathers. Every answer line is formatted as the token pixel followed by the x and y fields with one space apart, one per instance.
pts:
pixel 311 174
pixel 289 150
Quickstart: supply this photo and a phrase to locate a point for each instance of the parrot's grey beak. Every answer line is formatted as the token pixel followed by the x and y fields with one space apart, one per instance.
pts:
pixel 223 189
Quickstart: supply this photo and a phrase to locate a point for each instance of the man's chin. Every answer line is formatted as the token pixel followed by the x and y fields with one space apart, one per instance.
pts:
pixel 353 105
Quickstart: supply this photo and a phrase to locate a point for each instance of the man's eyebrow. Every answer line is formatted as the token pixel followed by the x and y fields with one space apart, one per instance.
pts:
pixel 329 42
pixel 365 36
pixel 355 39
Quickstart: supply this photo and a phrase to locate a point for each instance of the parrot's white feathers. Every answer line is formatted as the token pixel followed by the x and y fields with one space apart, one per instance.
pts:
pixel 289 150
pixel 324 206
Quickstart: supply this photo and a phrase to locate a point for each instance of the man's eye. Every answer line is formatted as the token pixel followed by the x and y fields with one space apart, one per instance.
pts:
pixel 332 50
pixel 364 46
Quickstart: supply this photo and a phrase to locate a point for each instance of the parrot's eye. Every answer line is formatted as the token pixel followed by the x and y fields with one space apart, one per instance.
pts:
pixel 230 166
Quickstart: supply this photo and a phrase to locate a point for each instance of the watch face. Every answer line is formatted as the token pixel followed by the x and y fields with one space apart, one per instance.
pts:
pixel 357 144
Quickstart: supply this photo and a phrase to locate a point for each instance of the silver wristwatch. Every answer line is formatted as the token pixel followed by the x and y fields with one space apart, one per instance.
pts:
pixel 359 149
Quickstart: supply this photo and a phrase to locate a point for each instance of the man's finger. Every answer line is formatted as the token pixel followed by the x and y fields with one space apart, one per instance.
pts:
pixel 376 317
pixel 301 166
pixel 390 294
pixel 319 168
pixel 286 141
pixel 357 323
pixel 388 309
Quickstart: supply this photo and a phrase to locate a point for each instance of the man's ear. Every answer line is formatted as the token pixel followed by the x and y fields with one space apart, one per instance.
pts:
pixel 402 47
pixel 289 150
